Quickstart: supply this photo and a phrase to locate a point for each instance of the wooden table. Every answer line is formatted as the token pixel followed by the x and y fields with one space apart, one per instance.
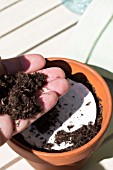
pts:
pixel 35 26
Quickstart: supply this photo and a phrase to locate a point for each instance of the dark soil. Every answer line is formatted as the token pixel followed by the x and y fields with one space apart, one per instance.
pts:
pixel 79 137
pixel 18 94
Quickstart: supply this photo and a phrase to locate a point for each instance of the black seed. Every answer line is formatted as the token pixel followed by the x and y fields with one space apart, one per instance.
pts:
pixel 88 103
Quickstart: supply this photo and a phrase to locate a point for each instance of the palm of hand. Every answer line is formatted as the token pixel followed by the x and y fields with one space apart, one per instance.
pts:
pixel 56 86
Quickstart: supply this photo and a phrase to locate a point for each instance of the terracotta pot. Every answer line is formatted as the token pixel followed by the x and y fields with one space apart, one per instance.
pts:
pixel 72 159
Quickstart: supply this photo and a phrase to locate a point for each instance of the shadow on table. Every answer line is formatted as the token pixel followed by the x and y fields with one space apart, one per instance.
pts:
pixel 104 152
pixel 106 149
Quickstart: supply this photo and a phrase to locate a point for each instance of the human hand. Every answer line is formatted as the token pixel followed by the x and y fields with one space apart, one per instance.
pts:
pixel 57 85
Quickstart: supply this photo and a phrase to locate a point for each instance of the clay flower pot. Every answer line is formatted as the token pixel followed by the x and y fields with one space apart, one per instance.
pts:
pixel 72 159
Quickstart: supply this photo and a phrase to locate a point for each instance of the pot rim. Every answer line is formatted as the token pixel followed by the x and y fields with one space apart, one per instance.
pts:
pixel 100 133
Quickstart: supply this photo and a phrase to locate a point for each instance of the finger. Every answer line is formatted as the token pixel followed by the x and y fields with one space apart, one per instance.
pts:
pixel 53 73
pixel 27 63
pixel 6 128
pixel 47 100
pixel 60 86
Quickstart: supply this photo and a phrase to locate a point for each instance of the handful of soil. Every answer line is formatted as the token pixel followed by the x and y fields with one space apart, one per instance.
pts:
pixel 18 94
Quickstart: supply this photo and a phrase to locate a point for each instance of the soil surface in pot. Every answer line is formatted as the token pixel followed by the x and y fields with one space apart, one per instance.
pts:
pixel 59 130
